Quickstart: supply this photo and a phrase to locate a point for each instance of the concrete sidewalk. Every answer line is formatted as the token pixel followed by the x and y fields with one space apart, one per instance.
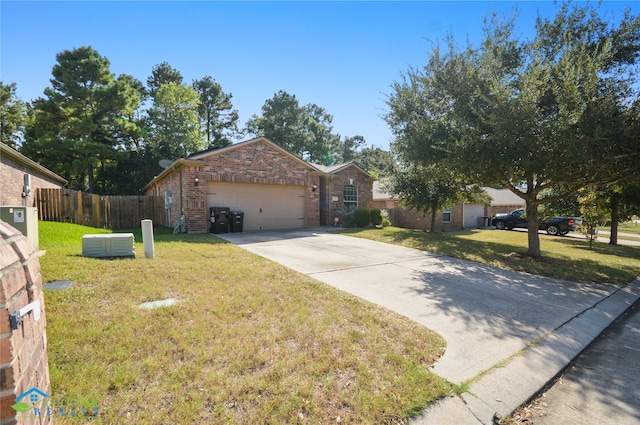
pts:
pixel 529 325
pixel 601 386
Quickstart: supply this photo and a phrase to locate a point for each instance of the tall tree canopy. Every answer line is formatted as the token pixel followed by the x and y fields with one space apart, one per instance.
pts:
pixel 218 119
pixel 528 115
pixel 82 123
pixel 12 115
pixel 162 74
pixel 304 131
pixel 174 129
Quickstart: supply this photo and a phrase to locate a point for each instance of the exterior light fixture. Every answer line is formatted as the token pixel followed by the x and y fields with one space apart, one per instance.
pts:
pixel 314 187
pixel 196 180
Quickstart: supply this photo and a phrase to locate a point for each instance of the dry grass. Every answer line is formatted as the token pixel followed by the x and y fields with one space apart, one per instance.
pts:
pixel 248 341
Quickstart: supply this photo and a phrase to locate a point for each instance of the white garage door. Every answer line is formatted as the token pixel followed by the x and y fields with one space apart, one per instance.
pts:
pixel 265 206
pixel 472 215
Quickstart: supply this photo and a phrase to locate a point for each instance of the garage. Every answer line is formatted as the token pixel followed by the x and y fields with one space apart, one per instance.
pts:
pixel 265 206
pixel 473 214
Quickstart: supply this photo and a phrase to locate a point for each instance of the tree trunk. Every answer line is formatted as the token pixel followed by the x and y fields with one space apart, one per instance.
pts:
pixel 532 229
pixel 615 218
pixel 433 219
pixel 91 181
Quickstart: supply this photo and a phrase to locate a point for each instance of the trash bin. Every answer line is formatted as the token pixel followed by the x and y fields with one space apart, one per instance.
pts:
pixel 236 221
pixel 219 217
pixel 485 221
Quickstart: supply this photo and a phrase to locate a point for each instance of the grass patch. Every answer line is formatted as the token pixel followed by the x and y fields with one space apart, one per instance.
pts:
pixel 248 341
pixel 562 257
pixel 630 230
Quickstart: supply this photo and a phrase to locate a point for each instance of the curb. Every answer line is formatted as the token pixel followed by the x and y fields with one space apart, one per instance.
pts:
pixel 500 392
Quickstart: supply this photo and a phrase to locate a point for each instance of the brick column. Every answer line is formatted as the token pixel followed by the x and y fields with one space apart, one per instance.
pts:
pixel 23 351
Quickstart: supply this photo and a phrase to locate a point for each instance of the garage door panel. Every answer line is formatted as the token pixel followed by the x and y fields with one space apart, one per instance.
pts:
pixel 472 215
pixel 264 206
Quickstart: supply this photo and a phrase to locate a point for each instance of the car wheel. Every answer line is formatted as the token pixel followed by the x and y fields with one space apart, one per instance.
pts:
pixel 553 230
pixel 500 225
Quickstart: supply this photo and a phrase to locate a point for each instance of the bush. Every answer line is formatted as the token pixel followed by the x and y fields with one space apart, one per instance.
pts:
pixel 385 218
pixel 346 216
pixel 376 217
pixel 362 217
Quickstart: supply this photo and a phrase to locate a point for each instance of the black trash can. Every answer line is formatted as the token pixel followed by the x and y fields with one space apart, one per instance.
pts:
pixel 219 217
pixel 236 221
pixel 485 221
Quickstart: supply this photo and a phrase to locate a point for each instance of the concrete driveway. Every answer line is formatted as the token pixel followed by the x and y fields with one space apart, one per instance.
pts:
pixel 487 315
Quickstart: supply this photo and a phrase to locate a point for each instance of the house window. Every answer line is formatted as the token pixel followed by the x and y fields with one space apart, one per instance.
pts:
pixel 350 196
pixel 446 215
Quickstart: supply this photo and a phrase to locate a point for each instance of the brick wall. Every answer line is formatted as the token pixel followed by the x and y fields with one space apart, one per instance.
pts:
pixel 12 180
pixel 195 198
pixel 412 219
pixel 256 162
pixel 173 183
pixel 23 352
pixel 500 209
pixel 333 188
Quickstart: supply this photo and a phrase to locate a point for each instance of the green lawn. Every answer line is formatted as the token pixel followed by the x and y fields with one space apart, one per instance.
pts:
pixel 562 257
pixel 248 341
pixel 628 227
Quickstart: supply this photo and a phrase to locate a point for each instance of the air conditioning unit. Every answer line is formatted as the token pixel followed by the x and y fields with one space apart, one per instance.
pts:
pixel 24 219
pixel 108 245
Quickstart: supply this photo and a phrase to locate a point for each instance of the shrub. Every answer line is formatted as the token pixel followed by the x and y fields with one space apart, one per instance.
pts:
pixel 385 218
pixel 362 217
pixel 346 215
pixel 376 217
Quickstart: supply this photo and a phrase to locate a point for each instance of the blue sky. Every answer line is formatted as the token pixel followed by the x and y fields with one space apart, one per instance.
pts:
pixel 342 56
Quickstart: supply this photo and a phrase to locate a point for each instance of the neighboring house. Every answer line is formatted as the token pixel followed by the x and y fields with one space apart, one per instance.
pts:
pixel 502 201
pixel 448 219
pixel 459 216
pixel 17 173
pixel 274 189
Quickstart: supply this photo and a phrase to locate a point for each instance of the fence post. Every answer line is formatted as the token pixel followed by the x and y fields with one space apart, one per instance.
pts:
pixel 79 209
pixel 147 238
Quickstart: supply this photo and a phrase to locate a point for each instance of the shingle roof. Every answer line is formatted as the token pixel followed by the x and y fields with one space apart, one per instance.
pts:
pixel 503 197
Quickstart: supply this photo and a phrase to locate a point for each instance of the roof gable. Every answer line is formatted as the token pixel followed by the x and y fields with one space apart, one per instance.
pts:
pixel 217 151
pixel 503 197
pixel 337 168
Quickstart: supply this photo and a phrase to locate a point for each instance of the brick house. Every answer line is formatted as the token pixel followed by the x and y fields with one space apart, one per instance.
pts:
pixel 450 218
pixel 14 169
pixel 502 201
pixel 273 188
pixel 462 215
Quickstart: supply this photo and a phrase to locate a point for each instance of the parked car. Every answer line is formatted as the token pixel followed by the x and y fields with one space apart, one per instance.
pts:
pixel 558 226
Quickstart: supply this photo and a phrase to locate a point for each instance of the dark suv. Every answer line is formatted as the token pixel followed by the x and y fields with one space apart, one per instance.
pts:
pixel 556 226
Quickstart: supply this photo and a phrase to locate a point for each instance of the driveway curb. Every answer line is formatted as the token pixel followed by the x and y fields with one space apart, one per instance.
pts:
pixel 501 391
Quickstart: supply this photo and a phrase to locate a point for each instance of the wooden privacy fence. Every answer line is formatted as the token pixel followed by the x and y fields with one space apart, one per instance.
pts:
pixel 108 212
